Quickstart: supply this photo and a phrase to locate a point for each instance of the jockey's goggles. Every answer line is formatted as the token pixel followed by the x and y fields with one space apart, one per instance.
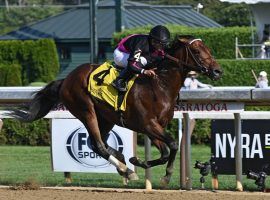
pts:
pixel 157 42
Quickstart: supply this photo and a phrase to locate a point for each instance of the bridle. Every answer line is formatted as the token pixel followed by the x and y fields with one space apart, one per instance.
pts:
pixel 199 63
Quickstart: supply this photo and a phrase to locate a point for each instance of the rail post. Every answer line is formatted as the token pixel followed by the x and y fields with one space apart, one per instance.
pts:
pixel 67 176
pixel 238 151
pixel 187 151
pixel 181 139
pixel 148 175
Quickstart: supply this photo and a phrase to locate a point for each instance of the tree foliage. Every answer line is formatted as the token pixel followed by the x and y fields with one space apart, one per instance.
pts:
pixel 34 60
pixel 10 75
pixel 226 14
pixel 15 17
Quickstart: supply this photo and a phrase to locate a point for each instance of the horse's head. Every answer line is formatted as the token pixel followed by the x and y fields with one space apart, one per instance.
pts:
pixel 193 54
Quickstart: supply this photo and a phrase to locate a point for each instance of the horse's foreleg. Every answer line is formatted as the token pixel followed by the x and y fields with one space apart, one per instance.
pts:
pixel 104 127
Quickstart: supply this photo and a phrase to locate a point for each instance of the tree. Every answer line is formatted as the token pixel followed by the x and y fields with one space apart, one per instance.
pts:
pixel 226 14
pixel 12 18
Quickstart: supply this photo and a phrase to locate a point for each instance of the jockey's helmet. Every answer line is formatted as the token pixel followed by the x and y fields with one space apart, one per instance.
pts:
pixel 161 34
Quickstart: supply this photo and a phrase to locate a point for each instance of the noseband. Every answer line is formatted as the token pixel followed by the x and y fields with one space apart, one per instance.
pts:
pixel 198 67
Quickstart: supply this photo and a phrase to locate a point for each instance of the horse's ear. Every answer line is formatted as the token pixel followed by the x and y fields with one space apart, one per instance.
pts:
pixel 185 38
pixel 182 40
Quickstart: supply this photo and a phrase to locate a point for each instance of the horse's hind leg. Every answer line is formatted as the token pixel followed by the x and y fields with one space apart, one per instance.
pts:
pixel 82 107
pixel 105 127
pixel 98 146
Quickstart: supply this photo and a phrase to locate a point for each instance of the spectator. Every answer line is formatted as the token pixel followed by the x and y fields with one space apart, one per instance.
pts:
pixel 262 81
pixel 267 48
pixel 262 53
pixel 265 44
pixel 191 82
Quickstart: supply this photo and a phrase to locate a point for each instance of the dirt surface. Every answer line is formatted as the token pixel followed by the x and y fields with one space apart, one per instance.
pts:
pixel 118 194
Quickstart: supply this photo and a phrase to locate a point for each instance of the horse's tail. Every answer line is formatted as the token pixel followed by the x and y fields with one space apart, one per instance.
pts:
pixel 43 101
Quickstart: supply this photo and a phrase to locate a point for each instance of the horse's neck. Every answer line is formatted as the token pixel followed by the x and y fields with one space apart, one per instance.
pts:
pixel 170 81
pixel 171 76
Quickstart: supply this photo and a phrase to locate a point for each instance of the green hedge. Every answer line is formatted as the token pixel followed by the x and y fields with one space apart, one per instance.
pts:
pixel 221 41
pixel 39 59
pixel 17 133
pixel 238 72
pixel 10 75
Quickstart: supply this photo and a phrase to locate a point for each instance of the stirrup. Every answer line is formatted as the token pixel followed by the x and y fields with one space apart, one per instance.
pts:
pixel 117 86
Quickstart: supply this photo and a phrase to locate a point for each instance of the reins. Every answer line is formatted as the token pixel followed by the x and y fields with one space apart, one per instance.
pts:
pixel 198 68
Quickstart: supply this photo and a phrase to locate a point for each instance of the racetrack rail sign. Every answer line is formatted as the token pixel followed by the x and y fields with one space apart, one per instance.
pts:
pixel 72 152
pixel 255 145
pixel 211 106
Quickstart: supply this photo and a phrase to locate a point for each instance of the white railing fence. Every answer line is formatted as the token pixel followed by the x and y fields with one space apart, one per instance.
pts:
pixel 215 103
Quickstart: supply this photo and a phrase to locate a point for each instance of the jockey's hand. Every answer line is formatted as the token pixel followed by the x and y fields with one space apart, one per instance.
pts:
pixel 150 72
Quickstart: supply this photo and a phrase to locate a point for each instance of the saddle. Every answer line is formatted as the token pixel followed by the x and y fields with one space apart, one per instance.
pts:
pixel 99 86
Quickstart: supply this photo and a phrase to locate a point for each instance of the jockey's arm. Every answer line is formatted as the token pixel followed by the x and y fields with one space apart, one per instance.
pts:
pixel 137 63
pixel 137 68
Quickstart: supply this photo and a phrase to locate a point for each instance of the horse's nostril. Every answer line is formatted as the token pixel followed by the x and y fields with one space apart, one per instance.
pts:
pixel 217 72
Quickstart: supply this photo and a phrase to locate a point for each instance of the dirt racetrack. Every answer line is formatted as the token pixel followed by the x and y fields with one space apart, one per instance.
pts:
pixel 73 193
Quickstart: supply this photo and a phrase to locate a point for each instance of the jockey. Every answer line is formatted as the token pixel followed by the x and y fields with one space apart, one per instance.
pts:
pixel 134 52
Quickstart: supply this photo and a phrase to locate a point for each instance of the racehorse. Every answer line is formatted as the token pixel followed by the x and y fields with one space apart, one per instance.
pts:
pixel 150 104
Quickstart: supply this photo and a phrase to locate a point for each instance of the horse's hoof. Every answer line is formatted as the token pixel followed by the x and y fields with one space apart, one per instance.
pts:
pixel 164 182
pixel 133 177
pixel 133 160
pixel 125 181
pixel 139 163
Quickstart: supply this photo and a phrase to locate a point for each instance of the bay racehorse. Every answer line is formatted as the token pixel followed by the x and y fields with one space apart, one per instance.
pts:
pixel 150 104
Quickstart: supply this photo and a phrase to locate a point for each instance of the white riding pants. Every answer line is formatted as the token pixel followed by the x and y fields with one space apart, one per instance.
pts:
pixel 121 58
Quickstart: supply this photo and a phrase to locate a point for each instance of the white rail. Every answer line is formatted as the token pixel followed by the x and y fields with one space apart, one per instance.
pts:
pixel 244 95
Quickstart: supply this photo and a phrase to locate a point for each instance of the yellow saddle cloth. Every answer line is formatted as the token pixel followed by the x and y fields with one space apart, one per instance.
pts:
pixel 100 85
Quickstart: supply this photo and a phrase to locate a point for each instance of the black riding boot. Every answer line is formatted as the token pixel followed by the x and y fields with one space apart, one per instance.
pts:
pixel 120 83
